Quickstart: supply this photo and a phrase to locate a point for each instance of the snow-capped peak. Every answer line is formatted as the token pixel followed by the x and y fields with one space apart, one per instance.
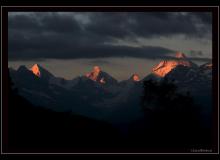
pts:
pixel 99 76
pixel 135 77
pixel 93 75
pixel 35 69
pixel 165 66
pixel 39 71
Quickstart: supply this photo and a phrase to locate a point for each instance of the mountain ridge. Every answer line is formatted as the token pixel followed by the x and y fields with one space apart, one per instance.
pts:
pixel 97 74
pixel 166 66
pixel 87 95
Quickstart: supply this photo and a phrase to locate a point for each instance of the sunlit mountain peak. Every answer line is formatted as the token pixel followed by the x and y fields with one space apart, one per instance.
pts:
pixel 166 66
pixel 100 76
pixel 93 75
pixel 96 69
pixel 36 70
pixel 41 72
pixel 135 77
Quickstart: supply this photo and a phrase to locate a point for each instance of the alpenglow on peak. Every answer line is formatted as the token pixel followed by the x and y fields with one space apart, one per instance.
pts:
pixel 180 55
pixel 135 77
pixel 98 75
pixel 35 69
pixel 166 66
pixel 93 75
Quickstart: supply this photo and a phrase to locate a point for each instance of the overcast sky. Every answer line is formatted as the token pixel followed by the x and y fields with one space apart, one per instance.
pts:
pixel 68 44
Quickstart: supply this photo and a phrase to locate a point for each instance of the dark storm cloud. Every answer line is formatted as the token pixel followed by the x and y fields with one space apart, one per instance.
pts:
pixel 43 22
pixel 63 36
pixel 150 24
pixel 56 49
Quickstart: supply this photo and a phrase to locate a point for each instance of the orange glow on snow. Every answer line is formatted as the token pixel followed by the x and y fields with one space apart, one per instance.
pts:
pixel 166 66
pixel 136 77
pixel 94 74
pixel 96 69
pixel 35 70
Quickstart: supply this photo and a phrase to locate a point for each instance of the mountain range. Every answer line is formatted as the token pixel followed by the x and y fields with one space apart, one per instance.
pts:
pixel 99 95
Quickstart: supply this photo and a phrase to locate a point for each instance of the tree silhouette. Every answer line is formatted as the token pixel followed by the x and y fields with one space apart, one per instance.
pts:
pixel 174 117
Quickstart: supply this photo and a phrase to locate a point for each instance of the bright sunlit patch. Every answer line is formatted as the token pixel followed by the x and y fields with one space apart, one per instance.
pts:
pixel 93 75
pixel 166 66
pixel 35 69
pixel 136 77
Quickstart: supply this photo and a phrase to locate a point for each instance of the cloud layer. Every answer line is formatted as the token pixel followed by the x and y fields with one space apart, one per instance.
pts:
pixel 65 35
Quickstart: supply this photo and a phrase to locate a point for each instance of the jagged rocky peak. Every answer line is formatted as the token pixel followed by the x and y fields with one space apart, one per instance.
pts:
pixel 93 75
pixel 166 66
pixel 100 76
pixel 39 71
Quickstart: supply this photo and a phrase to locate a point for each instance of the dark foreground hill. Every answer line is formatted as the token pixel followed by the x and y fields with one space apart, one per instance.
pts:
pixel 36 129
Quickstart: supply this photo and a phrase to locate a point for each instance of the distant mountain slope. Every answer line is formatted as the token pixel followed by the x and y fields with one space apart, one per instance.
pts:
pixel 165 66
pixel 98 95
pixel 100 76
pixel 34 128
